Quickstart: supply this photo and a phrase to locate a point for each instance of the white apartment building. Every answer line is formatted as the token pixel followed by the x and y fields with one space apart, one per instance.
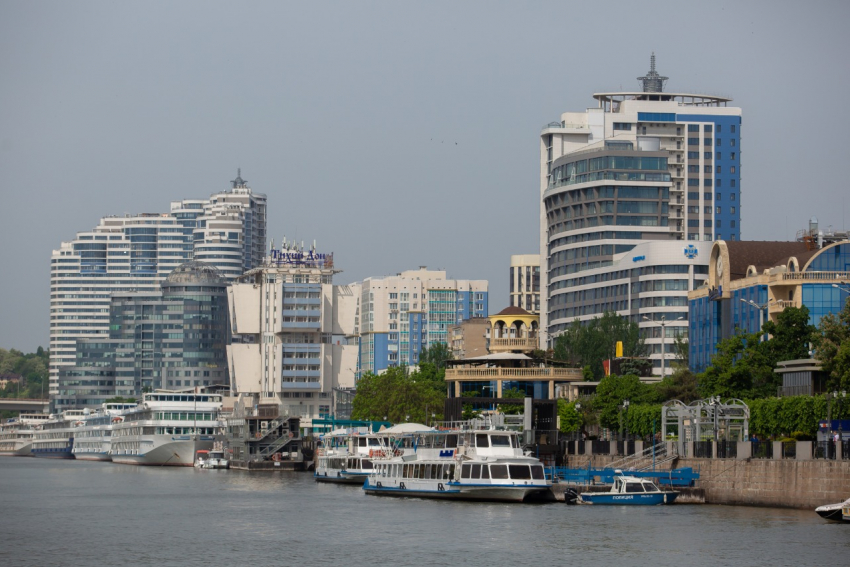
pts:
pixel 525 282
pixel 630 191
pixel 135 253
pixel 294 333
pixel 401 315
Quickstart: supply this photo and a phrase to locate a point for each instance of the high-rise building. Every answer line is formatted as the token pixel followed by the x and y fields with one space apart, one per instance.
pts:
pixel 525 282
pixel 173 339
pixel 633 192
pixel 294 338
pixel 404 314
pixel 137 252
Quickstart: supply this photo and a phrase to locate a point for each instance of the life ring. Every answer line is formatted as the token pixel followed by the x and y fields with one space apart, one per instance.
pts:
pixel 276 457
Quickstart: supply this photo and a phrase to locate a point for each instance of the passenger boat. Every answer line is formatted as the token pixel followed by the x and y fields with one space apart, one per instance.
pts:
pixel 55 439
pixel 835 512
pixel 464 462
pixel 17 434
pixel 340 455
pixel 630 490
pixel 167 429
pixel 93 439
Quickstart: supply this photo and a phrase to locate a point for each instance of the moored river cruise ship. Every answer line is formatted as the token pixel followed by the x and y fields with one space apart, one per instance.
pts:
pixel 167 428
pixel 55 439
pixel 464 463
pixel 93 439
pixel 17 434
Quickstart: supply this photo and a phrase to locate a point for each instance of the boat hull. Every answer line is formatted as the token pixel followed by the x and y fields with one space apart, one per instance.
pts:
pixel 53 454
pixel 336 477
pixel 92 456
pixel 652 499
pixel 22 451
pixel 833 513
pixel 174 453
pixel 454 491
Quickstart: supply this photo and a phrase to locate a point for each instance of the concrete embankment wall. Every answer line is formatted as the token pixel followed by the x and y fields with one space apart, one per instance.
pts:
pixel 786 483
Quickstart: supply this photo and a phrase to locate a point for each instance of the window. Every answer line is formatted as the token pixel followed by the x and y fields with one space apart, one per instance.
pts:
pixel 707 142
pixel 706 182
pixel 693 182
pixel 718 183
pixel 731 182
pixel 693 169
pixel 693 141
pixel 694 210
pixel 679 131
pixel 732 156
pixel 718 197
pixel 622 126
pixel 732 142
pixel 718 224
pixel 732 237
pixel 718 210
pixel 719 169
pixel 732 224
pixel 732 197
pixel 718 156
pixel 732 169
pixel 733 128
pixel 693 127
pixel 693 155
pixel 706 196
pixel 693 222
pixel 718 143
pixel 707 210
pixel 707 169
pixel 707 127
pixel 720 128
pixel 732 210
pixel 707 156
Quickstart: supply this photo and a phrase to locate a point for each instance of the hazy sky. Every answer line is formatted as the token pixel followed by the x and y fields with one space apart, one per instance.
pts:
pixel 395 134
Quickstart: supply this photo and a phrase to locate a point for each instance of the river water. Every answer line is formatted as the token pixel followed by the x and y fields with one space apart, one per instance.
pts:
pixel 91 514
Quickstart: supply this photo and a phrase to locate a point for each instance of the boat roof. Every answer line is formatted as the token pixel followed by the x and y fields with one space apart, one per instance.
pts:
pixel 407 428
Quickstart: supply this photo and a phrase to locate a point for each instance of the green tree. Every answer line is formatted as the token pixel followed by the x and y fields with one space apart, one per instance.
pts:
pixel 832 346
pixel 512 409
pixel 571 419
pixel 588 344
pixel 398 396
pixel 790 336
pixel 613 390
pixel 681 385
pixel 436 354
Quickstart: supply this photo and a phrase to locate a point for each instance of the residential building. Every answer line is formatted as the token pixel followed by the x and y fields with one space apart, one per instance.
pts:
pixel 752 282
pixel 135 253
pixel 633 192
pixel 173 339
pixel 401 315
pixel 469 338
pixel 525 282
pixel 294 334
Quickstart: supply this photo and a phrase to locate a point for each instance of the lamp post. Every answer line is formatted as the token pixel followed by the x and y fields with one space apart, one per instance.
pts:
pixel 663 323
pixel 761 309
pixel 624 409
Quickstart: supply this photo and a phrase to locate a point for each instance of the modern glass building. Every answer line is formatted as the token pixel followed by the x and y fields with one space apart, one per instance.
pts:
pixel 135 253
pixel 751 282
pixel 651 169
pixel 173 339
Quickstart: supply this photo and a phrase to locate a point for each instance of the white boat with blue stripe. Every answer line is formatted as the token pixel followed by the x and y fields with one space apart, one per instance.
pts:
pixel 630 491
pixel 468 461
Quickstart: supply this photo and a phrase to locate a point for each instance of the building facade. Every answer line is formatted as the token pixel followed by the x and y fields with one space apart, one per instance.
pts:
pixel 525 282
pixel 137 252
pixel 469 338
pixel 172 339
pixel 294 337
pixel 752 282
pixel 401 315
pixel 645 174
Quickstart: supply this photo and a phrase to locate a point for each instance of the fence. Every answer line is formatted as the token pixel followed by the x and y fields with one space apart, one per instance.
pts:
pixel 789 450
pixel 702 449
pixel 727 450
pixel 762 450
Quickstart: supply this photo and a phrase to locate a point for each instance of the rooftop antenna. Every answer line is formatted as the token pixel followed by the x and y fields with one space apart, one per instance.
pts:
pixel 653 82
pixel 238 182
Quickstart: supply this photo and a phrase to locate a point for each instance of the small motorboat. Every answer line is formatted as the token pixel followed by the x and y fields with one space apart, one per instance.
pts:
pixel 839 512
pixel 630 491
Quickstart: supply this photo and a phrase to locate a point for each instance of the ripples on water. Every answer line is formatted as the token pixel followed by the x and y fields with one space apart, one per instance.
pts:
pixel 93 514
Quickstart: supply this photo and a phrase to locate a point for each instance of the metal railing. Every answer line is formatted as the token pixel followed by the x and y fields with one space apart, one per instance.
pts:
pixel 761 450
pixel 789 450
pixel 727 450
pixel 702 449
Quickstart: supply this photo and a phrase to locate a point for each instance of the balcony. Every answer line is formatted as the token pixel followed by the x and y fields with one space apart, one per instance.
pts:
pixel 510 374
pixel 508 345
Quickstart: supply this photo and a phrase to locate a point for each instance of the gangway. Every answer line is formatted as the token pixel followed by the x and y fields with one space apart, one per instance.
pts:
pixel 647 459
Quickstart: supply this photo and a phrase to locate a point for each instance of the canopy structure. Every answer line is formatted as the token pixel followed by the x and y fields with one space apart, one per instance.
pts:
pixel 705 420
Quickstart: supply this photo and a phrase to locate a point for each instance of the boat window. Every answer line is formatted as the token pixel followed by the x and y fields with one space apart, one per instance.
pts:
pixel 514 442
pixel 421 471
pixel 537 472
pixel 650 487
pixel 366 464
pixel 499 471
pixel 451 441
pixel 373 442
pixel 404 471
pixel 481 440
pixel 485 472
pixel 428 470
pixel 476 471
pixel 439 441
pixel 500 441
pixel 633 487
pixel 519 472
pixel 464 471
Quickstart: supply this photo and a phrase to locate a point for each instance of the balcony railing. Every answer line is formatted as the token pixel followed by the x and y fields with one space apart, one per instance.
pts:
pixel 484 374
pixel 514 344
pixel 831 276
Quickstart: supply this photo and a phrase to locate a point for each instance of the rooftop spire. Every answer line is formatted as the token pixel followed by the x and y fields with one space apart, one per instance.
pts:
pixel 653 82
pixel 238 182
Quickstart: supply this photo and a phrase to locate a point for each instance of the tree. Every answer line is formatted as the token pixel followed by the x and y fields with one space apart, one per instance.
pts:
pixel 571 421
pixel 832 346
pixel 682 385
pixel 398 396
pixel 588 344
pixel 512 409
pixel 613 390
pixel 790 335
pixel 436 354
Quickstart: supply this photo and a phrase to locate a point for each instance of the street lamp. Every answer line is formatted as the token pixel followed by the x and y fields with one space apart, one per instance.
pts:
pixel 761 309
pixel 663 323
pixel 844 289
pixel 624 408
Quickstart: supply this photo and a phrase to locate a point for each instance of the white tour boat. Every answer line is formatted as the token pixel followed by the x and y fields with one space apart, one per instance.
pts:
pixel 470 462
pixel 347 455
pixel 93 439
pixel 211 459
pixel 55 439
pixel 17 434
pixel 167 428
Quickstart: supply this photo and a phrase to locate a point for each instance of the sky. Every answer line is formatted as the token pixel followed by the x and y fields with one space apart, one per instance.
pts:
pixel 394 134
